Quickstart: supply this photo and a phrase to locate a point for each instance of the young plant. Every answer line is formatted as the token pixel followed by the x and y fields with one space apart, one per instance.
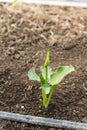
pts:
pixel 17 3
pixel 48 78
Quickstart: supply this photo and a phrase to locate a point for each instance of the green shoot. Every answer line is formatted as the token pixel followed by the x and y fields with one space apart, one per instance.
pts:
pixel 48 78
pixel 17 3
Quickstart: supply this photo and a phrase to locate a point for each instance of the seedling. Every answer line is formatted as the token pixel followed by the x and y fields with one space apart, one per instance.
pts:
pixel 17 3
pixel 48 78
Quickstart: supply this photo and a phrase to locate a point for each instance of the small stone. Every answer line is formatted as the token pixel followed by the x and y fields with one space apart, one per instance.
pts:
pixel 16 56
pixel 12 50
pixel 22 107
pixel 39 111
pixel 29 87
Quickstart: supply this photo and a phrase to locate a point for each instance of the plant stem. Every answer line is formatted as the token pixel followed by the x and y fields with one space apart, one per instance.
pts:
pixel 44 98
pixel 49 97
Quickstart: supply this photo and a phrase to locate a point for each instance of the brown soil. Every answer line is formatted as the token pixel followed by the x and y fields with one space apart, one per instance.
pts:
pixel 25 35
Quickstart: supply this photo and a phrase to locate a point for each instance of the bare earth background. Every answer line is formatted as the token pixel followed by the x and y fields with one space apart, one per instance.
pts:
pixel 25 35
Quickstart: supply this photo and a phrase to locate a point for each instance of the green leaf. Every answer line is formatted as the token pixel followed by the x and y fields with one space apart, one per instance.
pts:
pixel 46 88
pixel 47 58
pixel 43 71
pixel 60 73
pixel 42 80
pixel 32 75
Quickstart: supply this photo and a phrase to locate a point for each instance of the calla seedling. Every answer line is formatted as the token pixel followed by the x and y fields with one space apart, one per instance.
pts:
pixel 48 78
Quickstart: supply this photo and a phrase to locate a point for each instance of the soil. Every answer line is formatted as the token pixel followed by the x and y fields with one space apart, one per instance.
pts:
pixel 25 34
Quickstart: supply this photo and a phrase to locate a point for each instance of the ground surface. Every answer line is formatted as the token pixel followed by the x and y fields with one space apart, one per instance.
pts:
pixel 25 34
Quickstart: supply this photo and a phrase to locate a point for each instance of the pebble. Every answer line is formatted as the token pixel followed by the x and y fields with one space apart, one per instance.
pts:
pixel 17 56
pixel 22 107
